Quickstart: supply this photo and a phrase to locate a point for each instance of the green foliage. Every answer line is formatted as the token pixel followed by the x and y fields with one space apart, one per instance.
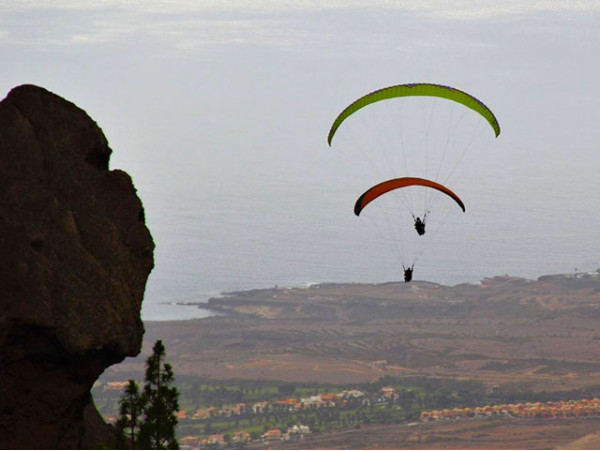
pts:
pixel 160 403
pixel 148 420
pixel 128 423
pixel 286 389
pixel 413 395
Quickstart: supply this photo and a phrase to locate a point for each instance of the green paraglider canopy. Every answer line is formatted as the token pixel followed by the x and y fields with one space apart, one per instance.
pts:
pixel 417 89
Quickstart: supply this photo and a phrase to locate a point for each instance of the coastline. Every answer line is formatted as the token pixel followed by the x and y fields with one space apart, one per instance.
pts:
pixel 225 303
pixel 540 333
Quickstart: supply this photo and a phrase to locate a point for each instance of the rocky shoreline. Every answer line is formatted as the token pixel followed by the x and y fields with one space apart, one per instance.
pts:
pixel 289 302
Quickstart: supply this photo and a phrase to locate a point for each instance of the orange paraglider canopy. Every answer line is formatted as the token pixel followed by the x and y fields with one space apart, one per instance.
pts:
pixel 373 193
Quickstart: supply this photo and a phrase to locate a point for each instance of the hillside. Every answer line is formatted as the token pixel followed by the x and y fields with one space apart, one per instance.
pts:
pixel 506 331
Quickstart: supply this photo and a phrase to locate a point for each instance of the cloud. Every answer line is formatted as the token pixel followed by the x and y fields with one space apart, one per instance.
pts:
pixel 190 25
pixel 437 8
pixel 452 9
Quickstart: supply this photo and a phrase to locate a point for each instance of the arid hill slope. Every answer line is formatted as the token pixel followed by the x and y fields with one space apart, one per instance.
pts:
pixel 540 334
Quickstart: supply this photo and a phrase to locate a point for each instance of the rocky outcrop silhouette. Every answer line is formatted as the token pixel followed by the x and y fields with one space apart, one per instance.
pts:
pixel 75 255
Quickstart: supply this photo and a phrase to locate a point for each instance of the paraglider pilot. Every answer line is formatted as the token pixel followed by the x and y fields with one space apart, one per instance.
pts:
pixel 420 224
pixel 408 271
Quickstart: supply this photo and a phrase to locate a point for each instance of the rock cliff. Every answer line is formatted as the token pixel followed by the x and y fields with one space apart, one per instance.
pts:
pixel 75 255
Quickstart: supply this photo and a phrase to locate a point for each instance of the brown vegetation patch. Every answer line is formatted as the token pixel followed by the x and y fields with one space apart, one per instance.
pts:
pixel 505 331
pixel 472 434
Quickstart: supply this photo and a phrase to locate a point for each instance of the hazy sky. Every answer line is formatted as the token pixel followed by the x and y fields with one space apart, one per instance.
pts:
pixel 220 111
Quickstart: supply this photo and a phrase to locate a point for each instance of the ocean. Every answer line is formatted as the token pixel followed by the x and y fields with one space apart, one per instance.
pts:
pixel 220 112
pixel 298 234
pixel 287 220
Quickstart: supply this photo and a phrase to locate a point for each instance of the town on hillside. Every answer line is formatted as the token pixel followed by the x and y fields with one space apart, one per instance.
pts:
pixel 550 409
pixel 275 418
pixel 217 422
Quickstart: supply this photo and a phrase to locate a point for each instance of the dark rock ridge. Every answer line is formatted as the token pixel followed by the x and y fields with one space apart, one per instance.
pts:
pixel 75 255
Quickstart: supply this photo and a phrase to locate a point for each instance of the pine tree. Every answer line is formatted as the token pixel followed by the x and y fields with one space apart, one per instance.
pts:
pixel 130 411
pixel 161 403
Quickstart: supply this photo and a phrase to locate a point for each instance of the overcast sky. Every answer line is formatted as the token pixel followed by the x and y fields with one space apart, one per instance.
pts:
pixel 219 109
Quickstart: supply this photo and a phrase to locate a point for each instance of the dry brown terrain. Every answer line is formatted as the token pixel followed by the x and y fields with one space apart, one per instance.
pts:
pixel 472 434
pixel 542 335
pixel 508 333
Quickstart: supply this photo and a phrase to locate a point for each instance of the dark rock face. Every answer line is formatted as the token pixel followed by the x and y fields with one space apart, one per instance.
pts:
pixel 75 255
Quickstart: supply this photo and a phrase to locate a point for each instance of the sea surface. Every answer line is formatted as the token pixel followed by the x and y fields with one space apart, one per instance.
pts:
pixel 242 190
pixel 531 210
pixel 302 234
pixel 220 112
